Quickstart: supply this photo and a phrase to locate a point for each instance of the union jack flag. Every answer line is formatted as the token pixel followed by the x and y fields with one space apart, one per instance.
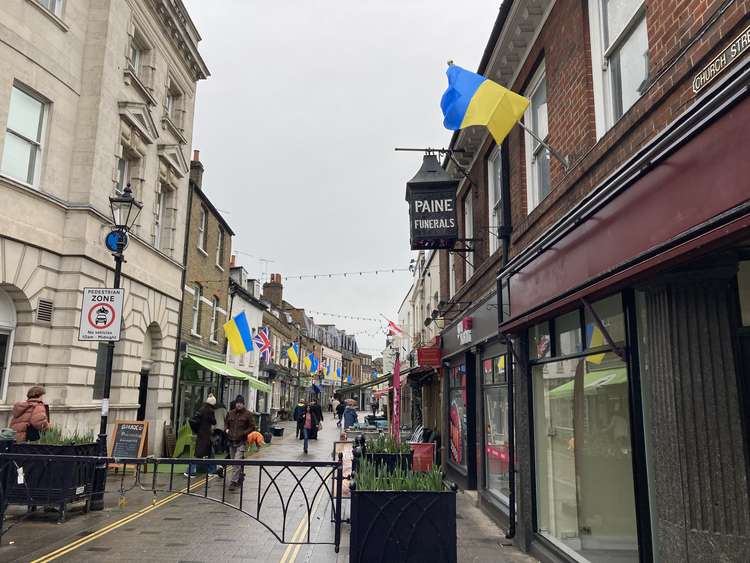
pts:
pixel 263 342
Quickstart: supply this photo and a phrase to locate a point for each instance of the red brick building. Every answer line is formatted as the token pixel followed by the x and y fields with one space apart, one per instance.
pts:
pixel 623 272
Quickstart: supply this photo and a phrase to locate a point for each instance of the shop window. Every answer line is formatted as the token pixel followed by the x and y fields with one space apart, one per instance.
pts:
pixel 539 342
pixel 568 334
pixel 583 459
pixel 496 459
pixel 457 415
pixel 611 315
pixel 22 152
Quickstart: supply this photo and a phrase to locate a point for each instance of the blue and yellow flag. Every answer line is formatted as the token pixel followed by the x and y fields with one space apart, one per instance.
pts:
pixel 595 339
pixel 472 99
pixel 238 335
pixel 338 372
pixel 293 353
pixel 308 361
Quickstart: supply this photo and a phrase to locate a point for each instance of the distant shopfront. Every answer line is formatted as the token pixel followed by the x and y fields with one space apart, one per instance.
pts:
pixel 475 415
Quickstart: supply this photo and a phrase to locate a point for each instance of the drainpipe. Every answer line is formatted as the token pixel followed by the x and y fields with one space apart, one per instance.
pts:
pixel 504 232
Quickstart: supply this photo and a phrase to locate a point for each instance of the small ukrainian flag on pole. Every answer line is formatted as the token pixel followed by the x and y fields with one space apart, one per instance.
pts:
pixel 472 99
pixel 238 335
pixel 293 353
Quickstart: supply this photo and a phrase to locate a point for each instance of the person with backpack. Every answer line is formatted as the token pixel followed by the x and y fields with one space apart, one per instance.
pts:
pixel 238 425
pixel 298 410
pixel 30 417
pixel 201 423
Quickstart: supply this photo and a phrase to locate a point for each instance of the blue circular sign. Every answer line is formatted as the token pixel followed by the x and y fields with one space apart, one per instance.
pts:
pixel 116 241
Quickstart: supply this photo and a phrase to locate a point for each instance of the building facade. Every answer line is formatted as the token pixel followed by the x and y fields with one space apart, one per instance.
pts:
pixel 93 96
pixel 609 412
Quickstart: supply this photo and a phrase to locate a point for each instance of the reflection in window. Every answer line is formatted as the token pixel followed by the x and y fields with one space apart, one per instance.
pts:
pixel 584 475
pixel 496 460
pixel 457 415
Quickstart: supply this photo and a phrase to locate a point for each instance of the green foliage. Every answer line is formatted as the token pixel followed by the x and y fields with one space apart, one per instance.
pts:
pixel 372 477
pixel 55 436
pixel 386 444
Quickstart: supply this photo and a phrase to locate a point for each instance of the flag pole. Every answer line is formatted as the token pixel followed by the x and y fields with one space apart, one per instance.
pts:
pixel 563 160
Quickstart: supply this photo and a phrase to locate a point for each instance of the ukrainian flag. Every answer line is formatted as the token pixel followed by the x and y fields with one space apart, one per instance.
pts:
pixel 308 361
pixel 293 353
pixel 238 335
pixel 472 99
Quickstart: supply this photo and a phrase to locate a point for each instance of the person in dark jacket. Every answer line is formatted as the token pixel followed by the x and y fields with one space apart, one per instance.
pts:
pixel 318 410
pixel 340 412
pixel 203 448
pixel 350 413
pixel 298 410
pixel 309 420
pixel 238 424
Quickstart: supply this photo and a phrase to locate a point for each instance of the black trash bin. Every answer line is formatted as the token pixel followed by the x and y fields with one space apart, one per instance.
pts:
pixel 277 431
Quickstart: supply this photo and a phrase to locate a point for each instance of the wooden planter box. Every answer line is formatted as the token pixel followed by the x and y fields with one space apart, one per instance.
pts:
pixel 51 483
pixel 393 526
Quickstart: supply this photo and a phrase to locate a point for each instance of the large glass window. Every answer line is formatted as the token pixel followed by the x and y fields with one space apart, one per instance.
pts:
pixel 457 414
pixel 23 137
pixel 496 460
pixel 584 472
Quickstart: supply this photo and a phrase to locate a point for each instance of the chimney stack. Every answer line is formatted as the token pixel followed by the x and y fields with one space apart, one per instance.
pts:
pixel 196 169
pixel 273 290
pixel 232 261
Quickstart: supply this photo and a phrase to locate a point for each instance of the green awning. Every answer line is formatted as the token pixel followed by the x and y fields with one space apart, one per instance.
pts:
pixel 229 371
pixel 591 382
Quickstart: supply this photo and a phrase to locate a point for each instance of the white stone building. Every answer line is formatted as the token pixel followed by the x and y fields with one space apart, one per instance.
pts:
pixel 93 95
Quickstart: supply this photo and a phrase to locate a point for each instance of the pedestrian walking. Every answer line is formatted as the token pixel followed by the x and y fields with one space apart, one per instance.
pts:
pixel 350 414
pixel 309 420
pixel 30 417
pixel 298 410
pixel 330 404
pixel 202 423
pixel 239 423
pixel 340 412
pixel 374 404
pixel 318 410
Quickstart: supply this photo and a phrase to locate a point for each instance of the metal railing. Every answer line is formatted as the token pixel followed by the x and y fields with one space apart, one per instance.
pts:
pixel 265 492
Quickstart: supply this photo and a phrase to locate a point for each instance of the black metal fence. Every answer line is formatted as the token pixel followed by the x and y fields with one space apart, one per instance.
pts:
pixel 265 492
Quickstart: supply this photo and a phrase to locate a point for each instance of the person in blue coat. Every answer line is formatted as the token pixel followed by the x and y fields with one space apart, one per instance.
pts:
pixel 350 414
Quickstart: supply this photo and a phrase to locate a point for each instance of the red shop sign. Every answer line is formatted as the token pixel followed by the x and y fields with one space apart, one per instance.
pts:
pixel 428 356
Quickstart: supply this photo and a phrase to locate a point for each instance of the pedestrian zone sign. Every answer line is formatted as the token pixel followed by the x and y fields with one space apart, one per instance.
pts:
pixel 101 314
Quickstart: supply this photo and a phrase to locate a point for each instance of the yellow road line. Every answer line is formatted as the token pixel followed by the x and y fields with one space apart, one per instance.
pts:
pixel 64 550
pixel 295 549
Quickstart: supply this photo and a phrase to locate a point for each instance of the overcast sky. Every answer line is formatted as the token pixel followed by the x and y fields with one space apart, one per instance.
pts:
pixel 296 126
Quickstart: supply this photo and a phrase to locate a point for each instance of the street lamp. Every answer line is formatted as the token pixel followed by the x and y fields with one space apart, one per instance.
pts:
pixel 125 211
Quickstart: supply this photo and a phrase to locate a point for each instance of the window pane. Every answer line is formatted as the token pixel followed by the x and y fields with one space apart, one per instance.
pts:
pixel 18 158
pixel 500 374
pixel 542 166
pixel 568 333
pixel 25 115
pixel 630 69
pixel 611 314
pixel 617 15
pixel 496 439
pixel 539 343
pixel 487 371
pixel 584 475
pixel 458 419
pixel 539 114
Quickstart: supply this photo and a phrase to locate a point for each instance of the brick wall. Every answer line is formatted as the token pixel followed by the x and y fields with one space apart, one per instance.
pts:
pixel 214 280
pixel 682 37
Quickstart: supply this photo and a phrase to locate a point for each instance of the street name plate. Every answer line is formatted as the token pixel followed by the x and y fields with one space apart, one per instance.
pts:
pixel 101 314
pixel 722 61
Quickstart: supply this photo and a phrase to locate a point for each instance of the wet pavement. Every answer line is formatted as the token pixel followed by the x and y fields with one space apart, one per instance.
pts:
pixel 185 529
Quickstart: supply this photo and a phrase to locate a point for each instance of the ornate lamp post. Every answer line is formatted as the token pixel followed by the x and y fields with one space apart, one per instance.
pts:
pixel 125 211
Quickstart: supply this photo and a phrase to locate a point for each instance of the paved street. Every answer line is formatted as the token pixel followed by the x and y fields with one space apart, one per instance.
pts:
pixel 189 529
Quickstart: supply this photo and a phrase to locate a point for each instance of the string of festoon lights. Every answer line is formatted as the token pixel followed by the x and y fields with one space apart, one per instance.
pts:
pixel 345 274
pixel 342 316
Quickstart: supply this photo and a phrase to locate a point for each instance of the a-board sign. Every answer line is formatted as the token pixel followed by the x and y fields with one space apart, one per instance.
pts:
pixel 101 314
pixel 128 438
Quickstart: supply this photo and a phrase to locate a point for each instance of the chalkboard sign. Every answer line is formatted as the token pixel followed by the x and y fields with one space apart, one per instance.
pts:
pixel 128 438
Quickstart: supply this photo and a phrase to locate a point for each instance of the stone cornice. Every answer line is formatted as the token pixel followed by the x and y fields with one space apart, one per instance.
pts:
pixel 181 32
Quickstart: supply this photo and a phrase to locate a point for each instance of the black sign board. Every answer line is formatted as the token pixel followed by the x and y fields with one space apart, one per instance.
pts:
pixel 128 438
pixel 432 218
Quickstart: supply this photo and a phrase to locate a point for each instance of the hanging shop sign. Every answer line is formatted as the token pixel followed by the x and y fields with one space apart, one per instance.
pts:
pixel 431 194
pixel 721 62
pixel 428 356
pixel 463 330
pixel 101 314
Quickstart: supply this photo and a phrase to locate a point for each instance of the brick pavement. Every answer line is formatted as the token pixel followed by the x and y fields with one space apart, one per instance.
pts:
pixel 189 529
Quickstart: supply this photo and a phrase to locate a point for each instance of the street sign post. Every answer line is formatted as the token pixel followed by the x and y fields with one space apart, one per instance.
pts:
pixel 101 314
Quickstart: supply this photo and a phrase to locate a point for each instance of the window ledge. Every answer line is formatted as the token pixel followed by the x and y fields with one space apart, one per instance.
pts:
pixel 52 17
pixel 219 267
pixel 213 341
pixel 168 123
pixel 131 78
pixel 202 251
pixel 193 333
